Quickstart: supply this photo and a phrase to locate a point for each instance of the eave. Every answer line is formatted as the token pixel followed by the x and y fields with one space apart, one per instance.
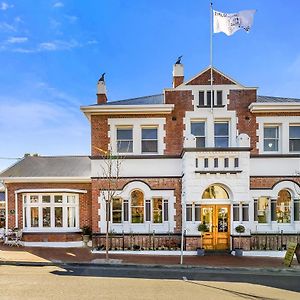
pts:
pixel 46 179
pixel 127 109
pixel 271 107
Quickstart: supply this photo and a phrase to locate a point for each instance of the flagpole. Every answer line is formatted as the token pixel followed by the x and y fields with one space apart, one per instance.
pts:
pixel 211 56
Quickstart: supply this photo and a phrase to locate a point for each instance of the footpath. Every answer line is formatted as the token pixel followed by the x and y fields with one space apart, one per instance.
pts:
pixel 34 256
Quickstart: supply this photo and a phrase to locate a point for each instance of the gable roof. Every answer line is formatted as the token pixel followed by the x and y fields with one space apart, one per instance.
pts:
pixel 145 100
pixel 50 166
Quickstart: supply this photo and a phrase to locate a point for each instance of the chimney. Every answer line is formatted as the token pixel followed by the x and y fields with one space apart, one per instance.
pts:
pixel 178 76
pixel 101 91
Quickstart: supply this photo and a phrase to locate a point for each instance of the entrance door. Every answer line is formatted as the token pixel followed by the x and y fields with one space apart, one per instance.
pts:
pixel 217 219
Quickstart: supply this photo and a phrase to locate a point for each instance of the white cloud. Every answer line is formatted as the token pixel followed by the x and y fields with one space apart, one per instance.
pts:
pixel 71 19
pixel 5 6
pixel 17 40
pixel 7 27
pixel 58 45
pixel 58 5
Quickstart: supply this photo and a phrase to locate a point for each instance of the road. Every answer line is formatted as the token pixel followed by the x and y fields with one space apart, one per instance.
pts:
pixel 117 282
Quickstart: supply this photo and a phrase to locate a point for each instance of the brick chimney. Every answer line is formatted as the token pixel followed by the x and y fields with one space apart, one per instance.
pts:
pixel 101 91
pixel 178 75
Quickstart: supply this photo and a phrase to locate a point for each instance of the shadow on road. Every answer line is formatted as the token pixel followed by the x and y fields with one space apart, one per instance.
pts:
pixel 271 279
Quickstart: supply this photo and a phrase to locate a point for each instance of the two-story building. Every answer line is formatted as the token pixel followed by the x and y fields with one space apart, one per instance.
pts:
pixel 197 153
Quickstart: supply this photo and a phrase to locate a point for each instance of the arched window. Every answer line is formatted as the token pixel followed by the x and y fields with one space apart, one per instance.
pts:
pixel 215 191
pixel 137 207
pixel 283 207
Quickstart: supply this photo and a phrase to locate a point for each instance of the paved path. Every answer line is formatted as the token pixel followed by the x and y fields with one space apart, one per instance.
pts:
pixel 129 283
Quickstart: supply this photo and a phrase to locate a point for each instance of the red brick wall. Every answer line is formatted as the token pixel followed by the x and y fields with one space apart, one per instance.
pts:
pixel 239 102
pixel 52 237
pixel 85 200
pixel 204 79
pixel 174 123
pixel 269 182
pixel 154 183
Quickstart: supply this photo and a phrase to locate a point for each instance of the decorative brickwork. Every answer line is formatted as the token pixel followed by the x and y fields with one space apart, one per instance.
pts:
pixel 269 182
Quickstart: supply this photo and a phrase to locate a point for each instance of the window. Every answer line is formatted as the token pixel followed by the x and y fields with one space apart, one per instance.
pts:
pixel 216 162
pixel 294 138
pixel 283 207
pixel 226 162
pixel 215 192
pixel 117 210
pixel 219 98
pixel 166 210
pixel 263 210
pixel 296 209
pixel 189 212
pixel 149 140
pixel 273 210
pixel 124 140
pixel 201 98
pixel 236 212
pixel 236 162
pixel 245 212
pixel 148 210
pixel 205 162
pixel 198 130
pixel 197 213
pixel 208 98
pixel 157 210
pixel 48 211
pixel 126 210
pixel 137 207
pixel 221 134
pixel 271 138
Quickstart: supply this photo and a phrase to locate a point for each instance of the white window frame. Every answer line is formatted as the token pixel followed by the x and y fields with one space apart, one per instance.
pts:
pixel 220 121
pixel 199 136
pixel 27 210
pixel 278 138
pixel 124 127
pixel 149 127
pixel 292 125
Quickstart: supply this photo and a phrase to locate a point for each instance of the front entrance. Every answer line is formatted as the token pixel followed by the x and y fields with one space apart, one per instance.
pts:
pixel 217 219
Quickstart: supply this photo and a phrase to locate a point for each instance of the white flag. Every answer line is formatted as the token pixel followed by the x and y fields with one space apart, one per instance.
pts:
pixel 230 23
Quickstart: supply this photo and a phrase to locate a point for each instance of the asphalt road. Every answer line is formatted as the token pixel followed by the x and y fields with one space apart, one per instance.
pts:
pixel 80 282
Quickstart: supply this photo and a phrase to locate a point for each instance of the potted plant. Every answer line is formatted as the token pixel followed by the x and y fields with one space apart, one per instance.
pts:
pixel 239 229
pixel 201 228
pixel 86 234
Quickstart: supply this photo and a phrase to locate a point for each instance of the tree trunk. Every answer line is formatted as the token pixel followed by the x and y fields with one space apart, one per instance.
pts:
pixel 107 229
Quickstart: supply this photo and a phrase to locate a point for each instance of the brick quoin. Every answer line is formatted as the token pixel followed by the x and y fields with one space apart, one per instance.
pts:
pixel 154 183
pixel 239 102
pixel 85 200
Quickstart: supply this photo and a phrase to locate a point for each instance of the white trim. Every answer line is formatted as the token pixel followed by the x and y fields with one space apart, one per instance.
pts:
pixel 16 211
pixel 46 179
pixel 54 244
pixel 6 210
pixel 51 191
pixel 127 109
pixel 274 107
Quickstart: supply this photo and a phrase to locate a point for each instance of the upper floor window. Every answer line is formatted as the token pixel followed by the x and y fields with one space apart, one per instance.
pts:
pixel 149 140
pixel 210 99
pixel 124 140
pixel 201 98
pixel 219 98
pixel 198 130
pixel 271 138
pixel 294 138
pixel 221 134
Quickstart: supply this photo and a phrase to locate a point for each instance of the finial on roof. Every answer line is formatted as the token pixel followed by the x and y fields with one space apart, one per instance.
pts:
pixel 178 61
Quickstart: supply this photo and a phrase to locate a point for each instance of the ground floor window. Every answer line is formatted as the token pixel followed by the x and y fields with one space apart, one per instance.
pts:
pixel 51 211
pixel 2 216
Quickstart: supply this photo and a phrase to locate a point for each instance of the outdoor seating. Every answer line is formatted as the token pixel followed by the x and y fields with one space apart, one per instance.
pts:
pixel 13 238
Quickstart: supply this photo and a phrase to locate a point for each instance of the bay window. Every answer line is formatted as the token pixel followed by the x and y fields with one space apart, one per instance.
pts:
pixel 45 212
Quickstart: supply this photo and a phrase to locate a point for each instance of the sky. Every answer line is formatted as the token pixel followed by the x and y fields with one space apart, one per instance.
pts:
pixel 53 52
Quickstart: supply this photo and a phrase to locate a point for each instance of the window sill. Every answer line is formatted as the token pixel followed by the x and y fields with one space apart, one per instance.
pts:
pixel 208 106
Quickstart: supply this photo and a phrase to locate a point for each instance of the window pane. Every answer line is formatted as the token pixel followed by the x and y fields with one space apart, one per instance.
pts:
pixel 148 210
pixel 208 99
pixel 219 98
pixel 58 217
pixel 270 145
pixel 205 162
pixel 46 217
pixel 262 209
pixel 58 199
pixel 236 162
pixel 226 162
pixel 197 212
pixel 149 133
pixel 295 132
pixel 117 204
pixel 221 142
pixel 157 210
pixel 201 98
pixel 200 142
pixel 137 198
pixel 189 212
pixel 71 217
pixel 125 146
pixel 283 209
pixel 126 211
pixel 198 128
pixel 236 212
pixel 297 210
pixel 245 211
pixel 71 199
pixel 273 210
pixel 255 210
pixel 34 215
pixel 221 129
pixel 166 210
pixel 117 210
pixel 270 132
pixel 117 217
pixel 124 134
pixel 46 199
pixel 216 162
pixel 215 192
pixel 295 145
pixel 137 214
pixel 34 199
pixel 149 146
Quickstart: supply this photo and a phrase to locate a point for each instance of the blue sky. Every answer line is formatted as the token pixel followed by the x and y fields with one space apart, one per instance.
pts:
pixel 53 52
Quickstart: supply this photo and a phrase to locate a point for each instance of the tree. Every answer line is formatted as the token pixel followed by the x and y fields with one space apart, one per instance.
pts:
pixel 110 168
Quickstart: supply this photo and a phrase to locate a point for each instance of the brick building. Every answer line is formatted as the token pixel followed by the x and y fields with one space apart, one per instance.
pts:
pixel 188 156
